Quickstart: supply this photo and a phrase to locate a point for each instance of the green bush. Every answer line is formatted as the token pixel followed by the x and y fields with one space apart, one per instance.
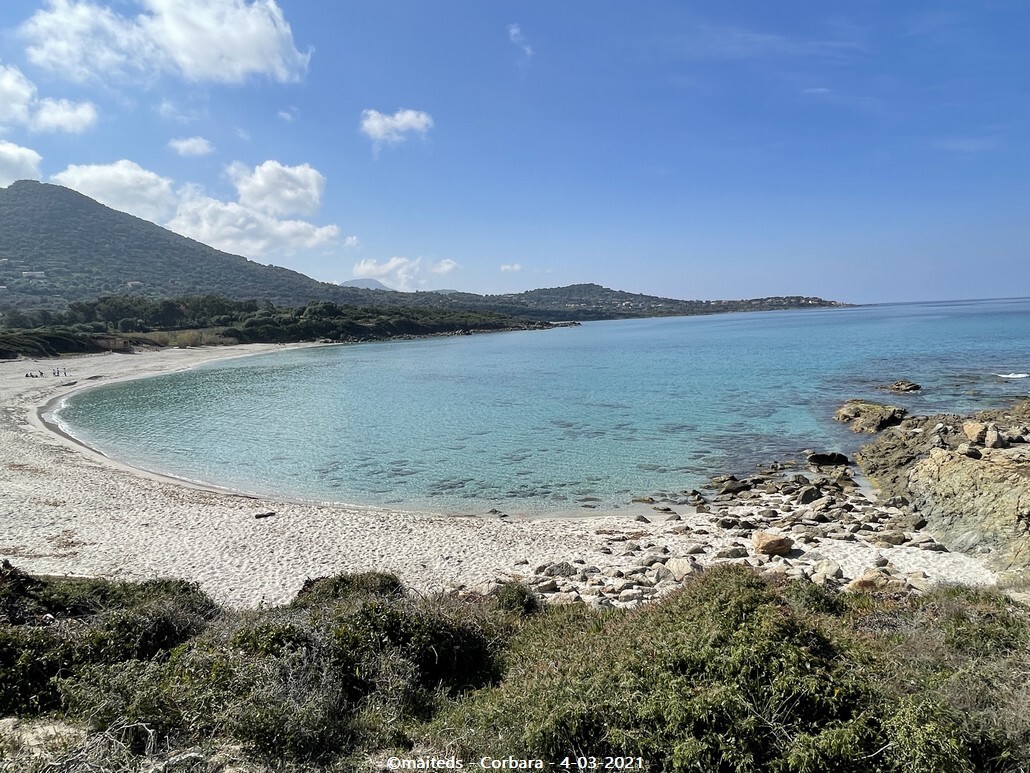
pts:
pixel 514 596
pixel 350 664
pixel 323 591
pixel 733 673
pixel 56 627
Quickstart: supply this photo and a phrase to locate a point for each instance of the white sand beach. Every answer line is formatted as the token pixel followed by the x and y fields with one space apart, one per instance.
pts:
pixel 68 510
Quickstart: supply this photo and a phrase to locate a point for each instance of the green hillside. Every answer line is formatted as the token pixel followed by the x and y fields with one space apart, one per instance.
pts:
pixel 58 247
pixel 85 250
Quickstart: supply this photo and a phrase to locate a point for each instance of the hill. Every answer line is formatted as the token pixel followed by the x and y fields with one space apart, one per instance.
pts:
pixel 58 246
pixel 366 284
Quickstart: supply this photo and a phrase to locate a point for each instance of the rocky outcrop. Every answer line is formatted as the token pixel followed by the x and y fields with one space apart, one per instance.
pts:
pixel 977 504
pixel 863 416
pixel 969 477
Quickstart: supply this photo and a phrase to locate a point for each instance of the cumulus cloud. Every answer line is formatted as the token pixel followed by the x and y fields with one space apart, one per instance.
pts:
pixel 382 128
pixel 250 226
pixel 191 146
pixel 123 185
pixel 61 115
pixel 511 268
pixel 17 163
pixel 19 106
pixel 234 227
pixel 277 189
pixel 17 94
pixel 351 242
pixel 406 274
pixel 402 273
pixel 224 41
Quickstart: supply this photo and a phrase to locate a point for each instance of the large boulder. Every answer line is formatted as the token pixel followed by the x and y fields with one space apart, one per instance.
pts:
pixel 972 504
pixel 769 544
pixel 868 417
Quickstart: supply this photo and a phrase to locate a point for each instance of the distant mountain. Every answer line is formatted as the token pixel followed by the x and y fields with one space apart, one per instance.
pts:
pixel 366 284
pixel 59 246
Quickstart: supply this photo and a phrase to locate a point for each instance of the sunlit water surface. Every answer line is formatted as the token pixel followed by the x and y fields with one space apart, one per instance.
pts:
pixel 548 421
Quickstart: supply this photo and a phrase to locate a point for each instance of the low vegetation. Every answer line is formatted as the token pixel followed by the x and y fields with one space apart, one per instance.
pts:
pixel 732 673
pixel 114 322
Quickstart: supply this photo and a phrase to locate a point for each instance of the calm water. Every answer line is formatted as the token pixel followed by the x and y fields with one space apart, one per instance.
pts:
pixel 538 421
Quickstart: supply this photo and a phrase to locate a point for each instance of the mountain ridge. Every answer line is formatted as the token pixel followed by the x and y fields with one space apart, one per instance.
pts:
pixel 58 246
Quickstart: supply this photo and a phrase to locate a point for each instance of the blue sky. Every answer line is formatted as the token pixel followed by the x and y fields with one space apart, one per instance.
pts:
pixel 867 152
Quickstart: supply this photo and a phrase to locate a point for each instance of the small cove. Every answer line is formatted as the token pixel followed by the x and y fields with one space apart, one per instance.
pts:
pixel 547 422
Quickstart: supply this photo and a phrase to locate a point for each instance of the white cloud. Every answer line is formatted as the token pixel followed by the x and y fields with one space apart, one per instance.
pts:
pixel 351 242
pixel 289 116
pixel 61 115
pixel 191 146
pixel 19 106
pixel 224 41
pixel 515 36
pixel 123 185
pixel 17 163
pixel 277 189
pixel 511 268
pixel 402 273
pixel 237 228
pixel 445 266
pixel 250 226
pixel 17 93
pixel 395 128
pixel 406 274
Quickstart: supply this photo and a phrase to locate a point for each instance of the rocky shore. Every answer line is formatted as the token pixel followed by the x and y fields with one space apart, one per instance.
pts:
pixel 946 483
pixel 810 523
pixel 968 476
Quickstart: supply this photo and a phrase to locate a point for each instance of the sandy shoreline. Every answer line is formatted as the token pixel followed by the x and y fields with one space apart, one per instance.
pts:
pixel 65 509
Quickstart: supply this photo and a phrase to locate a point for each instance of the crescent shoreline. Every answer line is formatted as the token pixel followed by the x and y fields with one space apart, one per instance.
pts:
pixel 68 509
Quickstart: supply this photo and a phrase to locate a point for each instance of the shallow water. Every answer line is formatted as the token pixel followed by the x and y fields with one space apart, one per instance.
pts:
pixel 552 420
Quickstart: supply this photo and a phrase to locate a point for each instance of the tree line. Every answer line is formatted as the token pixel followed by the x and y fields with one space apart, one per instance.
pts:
pixel 87 325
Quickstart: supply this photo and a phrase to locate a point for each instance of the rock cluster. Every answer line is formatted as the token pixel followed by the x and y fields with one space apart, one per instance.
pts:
pixel 968 476
pixel 867 417
pixel 815 525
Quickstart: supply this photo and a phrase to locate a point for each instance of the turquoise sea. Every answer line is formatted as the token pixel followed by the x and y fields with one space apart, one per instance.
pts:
pixel 546 421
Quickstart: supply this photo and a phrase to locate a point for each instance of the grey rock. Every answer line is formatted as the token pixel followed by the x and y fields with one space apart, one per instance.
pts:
pixel 732 552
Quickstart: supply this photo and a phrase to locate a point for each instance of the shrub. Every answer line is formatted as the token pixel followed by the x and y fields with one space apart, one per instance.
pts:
pixel 348 665
pixel 56 627
pixel 733 673
pixel 514 596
